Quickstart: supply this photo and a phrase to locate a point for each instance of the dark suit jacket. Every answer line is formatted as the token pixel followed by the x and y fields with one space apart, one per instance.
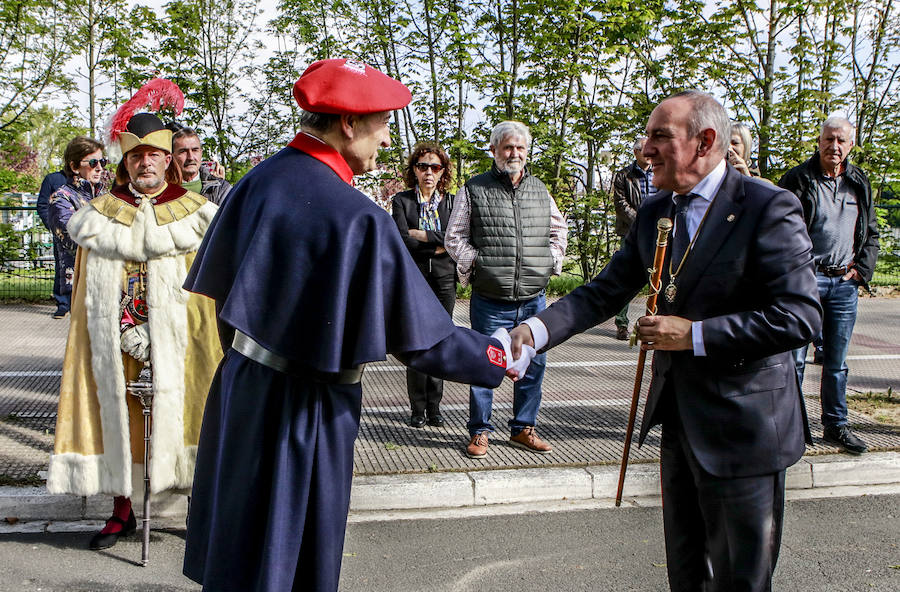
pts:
pixel 405 210
pixel 750 279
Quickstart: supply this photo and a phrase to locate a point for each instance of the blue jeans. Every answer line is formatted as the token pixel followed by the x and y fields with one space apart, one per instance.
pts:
pixel 487 315
pixel 63 301
pixel 838 298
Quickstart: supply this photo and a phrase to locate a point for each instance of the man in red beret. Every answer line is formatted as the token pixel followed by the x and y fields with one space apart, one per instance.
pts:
pixel 311 281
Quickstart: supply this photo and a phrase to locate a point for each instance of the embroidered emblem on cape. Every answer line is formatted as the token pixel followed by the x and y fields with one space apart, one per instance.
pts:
pixel 355 66
pixel 496 357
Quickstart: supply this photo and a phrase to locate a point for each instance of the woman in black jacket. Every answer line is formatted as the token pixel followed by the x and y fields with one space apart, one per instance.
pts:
pixel 421 214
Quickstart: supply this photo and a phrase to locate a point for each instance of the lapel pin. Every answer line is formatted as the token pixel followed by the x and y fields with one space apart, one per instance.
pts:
pixel 730 218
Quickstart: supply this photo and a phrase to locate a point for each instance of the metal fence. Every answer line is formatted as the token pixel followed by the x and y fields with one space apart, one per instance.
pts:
pixel 27 266
pixel 26 255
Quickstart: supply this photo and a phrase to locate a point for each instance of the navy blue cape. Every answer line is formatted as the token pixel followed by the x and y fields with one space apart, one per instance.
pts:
pixel 316 272
pixel 313 270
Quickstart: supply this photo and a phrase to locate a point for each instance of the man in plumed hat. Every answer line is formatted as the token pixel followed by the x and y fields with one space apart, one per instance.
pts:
pixel 311 281
pixel 136 244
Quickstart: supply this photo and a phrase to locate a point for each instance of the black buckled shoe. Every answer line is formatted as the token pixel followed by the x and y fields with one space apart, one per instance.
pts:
pixel 417 421
pixel 105 541
pixel 843 437
pixel 436 420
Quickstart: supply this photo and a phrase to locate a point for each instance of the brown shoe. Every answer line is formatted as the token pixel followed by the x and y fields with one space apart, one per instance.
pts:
pixel 478 446
pixel 529 440
pixel 622 333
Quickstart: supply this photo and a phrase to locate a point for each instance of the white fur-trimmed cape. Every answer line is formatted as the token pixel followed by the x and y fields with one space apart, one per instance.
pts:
pixel 105 465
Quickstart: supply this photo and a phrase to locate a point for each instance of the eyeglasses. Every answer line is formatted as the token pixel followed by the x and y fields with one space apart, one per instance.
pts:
pixel 424 166
pixel 95 161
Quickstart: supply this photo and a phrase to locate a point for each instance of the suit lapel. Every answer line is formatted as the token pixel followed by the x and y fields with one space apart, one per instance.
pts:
pixel 724 212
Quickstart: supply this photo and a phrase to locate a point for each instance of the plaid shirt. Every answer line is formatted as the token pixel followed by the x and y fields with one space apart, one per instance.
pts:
pixel 456 240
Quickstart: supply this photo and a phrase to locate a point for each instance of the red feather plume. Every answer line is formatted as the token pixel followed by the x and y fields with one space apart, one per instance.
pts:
pixel 153 96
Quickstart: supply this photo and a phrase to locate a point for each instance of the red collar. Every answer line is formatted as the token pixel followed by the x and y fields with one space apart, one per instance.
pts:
pixel 323 153
pixel 170 193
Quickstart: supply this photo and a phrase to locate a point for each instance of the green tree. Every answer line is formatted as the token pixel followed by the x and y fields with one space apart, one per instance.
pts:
pixel 131 57
pixel 48 132
pixel 34 50
pixel 875 66
pixel 209 52
pixel 95 27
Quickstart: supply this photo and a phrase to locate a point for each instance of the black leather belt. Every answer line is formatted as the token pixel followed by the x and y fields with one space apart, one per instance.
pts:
pixel 833 270
pixel 247 346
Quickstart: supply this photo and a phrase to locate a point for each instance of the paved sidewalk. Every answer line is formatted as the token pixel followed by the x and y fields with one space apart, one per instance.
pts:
pixel 587 389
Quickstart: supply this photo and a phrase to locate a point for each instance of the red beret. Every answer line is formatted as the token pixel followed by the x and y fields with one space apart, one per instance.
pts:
pixel 347 86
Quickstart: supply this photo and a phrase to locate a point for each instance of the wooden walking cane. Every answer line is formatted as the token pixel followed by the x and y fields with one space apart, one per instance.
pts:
pixel 142 388
pixel 663 226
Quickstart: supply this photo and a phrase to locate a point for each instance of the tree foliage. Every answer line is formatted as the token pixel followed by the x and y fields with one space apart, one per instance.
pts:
pixel 584 75
pixel 33 50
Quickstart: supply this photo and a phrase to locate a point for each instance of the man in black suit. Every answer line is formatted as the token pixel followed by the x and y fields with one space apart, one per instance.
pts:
pixel 737 294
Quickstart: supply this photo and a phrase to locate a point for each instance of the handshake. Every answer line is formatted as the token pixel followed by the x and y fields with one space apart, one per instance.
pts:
pixel 515 367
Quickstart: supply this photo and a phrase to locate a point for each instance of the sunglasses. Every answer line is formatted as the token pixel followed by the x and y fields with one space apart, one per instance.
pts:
pixel 424 166
pixel 95 161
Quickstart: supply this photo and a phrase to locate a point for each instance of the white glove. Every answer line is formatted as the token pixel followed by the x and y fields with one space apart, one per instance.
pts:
pixel 520 366
pixel 515 369
pixel 136 342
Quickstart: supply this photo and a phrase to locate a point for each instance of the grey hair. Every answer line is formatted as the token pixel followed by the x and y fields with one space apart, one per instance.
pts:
pixel 319 122
pixel 639 143
pixel 744 132
pixel 510 128
pixel 837 122
pixel 706 113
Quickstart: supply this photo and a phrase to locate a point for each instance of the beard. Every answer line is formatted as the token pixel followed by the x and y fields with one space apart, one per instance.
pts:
pixel 512 167
pixel 148 184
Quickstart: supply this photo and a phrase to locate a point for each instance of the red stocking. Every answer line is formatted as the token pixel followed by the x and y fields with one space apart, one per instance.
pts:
pixel 121 510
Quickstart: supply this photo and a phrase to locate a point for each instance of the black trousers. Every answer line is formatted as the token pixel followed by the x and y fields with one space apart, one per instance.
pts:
pixel 424 391
pixel 722 534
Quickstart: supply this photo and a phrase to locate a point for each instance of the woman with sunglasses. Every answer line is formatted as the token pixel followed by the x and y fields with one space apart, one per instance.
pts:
pixel 86 177
pixel 421 214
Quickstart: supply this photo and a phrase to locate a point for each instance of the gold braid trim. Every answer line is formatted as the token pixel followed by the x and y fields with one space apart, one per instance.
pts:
pixel 179 208
pixel 112 207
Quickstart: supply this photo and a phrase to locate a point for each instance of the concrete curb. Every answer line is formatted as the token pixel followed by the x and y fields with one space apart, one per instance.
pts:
pixel 479 488
pixel 811 477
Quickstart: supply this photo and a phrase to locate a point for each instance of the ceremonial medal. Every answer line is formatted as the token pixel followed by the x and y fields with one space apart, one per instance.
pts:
pixel 670 290
pixel 136 293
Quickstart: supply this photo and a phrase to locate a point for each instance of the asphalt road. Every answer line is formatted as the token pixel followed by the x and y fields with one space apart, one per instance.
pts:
pixel 838 544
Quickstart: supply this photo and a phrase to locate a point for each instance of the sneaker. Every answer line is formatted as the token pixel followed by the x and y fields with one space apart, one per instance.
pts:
pixel 622 333
pixel 843 437
pixel 60 313
pixel 529 440
pixel 478 446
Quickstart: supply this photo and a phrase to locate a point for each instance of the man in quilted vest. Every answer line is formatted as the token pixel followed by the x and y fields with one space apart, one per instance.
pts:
pixel 507 237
